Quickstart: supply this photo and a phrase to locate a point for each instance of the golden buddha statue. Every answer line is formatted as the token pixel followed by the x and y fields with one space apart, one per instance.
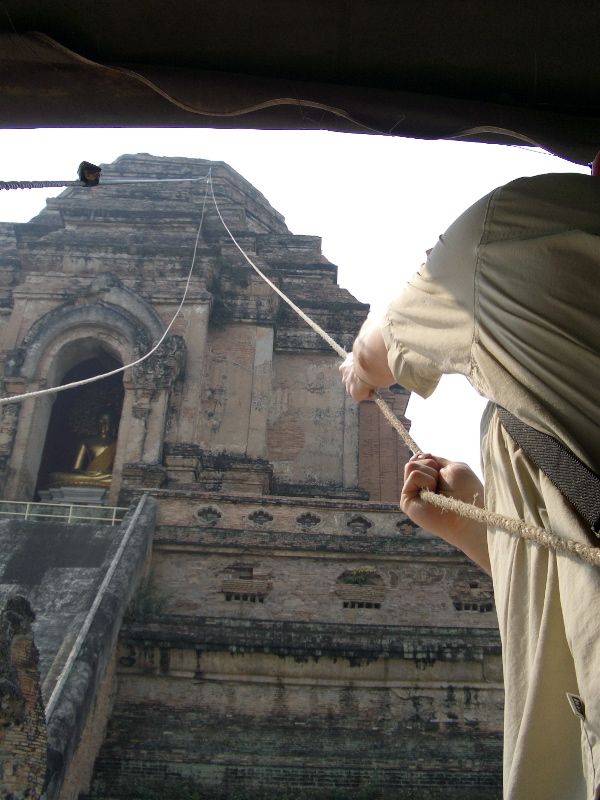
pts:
pixel 94 460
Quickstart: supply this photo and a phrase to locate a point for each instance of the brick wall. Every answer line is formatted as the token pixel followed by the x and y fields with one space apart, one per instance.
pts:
pixel 246 723
pixel 382 454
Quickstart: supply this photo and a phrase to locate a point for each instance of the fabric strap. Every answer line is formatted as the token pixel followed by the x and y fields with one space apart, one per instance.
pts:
pixel 574 479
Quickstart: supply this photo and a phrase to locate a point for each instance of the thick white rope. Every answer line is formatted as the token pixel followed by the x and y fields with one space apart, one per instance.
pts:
pixel 552 541
pixel 407 438
pixel 55 389
pixel 331 342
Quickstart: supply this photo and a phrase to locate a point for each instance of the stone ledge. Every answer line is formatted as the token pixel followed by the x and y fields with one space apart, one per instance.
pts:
pixel 265 500
pixel 316 542
pixel 315 639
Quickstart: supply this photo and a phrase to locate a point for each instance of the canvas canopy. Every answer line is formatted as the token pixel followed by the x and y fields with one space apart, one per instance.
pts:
pixel 508 72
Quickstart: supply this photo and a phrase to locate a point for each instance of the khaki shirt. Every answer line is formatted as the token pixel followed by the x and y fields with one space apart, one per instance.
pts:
pixel 509 297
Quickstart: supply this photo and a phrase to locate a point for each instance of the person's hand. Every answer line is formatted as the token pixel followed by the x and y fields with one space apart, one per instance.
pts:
pixel 452 479
pixel 355 387
pixel 367 366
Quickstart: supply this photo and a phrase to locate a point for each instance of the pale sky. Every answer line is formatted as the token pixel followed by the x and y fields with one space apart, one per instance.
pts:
pixel 377 202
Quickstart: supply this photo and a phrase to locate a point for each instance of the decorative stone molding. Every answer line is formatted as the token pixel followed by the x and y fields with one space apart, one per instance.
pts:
pixel 406 528
pixel 94 320
pixel 359 524
pixel 164 366
pixel 472 591
pixel 13 363
pixel 149 476
pixel 260 518
pixel 208 516
pixel 307 521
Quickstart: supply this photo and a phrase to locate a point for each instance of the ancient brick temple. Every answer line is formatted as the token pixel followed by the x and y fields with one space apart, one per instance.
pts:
pixel 291 628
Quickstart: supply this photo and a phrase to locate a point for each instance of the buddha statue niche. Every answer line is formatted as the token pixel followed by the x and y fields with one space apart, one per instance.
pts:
pixel 94 461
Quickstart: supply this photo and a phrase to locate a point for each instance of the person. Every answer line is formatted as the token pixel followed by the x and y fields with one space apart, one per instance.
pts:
pixel 509 298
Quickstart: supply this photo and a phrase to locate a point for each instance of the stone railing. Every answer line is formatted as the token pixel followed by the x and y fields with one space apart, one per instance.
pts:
pixel 82 514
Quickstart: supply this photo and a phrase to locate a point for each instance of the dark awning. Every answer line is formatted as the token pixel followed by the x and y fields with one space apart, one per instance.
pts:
pixel 505 72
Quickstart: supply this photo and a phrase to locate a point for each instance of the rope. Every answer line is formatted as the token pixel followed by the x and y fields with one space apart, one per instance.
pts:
pixel 532 533
pixel 56 389
pixel 408 440
pixel 331 342
pixel 38 184
pixel 258 106
pixel 81 184
pixel 552 541
pixel 395 423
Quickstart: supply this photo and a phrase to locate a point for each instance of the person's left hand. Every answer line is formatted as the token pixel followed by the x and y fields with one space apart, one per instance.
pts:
pixel 356 388
pixel 451 479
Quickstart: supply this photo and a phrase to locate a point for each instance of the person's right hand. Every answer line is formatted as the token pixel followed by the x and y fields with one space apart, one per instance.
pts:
pixel 355 386
pixel 452 479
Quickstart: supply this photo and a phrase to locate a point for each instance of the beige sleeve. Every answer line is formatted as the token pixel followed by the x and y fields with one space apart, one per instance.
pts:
pixel 428 329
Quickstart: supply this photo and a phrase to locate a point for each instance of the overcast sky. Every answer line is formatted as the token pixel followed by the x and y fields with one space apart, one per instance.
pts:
pixel 377 202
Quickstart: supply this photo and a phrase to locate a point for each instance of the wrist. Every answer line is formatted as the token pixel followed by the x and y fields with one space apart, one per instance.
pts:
pixel 366 383
pixel 359 372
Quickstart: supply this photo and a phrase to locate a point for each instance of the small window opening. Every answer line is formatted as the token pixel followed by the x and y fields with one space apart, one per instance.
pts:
pixel 244 598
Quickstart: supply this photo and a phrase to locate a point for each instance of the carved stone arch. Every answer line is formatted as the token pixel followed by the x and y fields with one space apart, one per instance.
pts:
pixel 98 321
pixel 113 293
pixel 105 305
pixel 108 319
pixel 72 345
pixel 57 346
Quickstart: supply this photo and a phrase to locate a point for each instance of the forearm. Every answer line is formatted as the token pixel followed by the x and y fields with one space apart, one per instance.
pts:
pixel 366 368
pixel 370 355
pixel 451 479
pixel 472 540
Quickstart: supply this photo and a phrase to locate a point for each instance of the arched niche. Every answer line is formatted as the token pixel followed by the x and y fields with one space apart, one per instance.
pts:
pixel 57 342
pixel 75 413
pixel 65 338
pixel 45 367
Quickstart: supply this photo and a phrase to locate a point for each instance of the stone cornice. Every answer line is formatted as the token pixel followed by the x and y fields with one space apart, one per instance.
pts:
pixel 293 638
